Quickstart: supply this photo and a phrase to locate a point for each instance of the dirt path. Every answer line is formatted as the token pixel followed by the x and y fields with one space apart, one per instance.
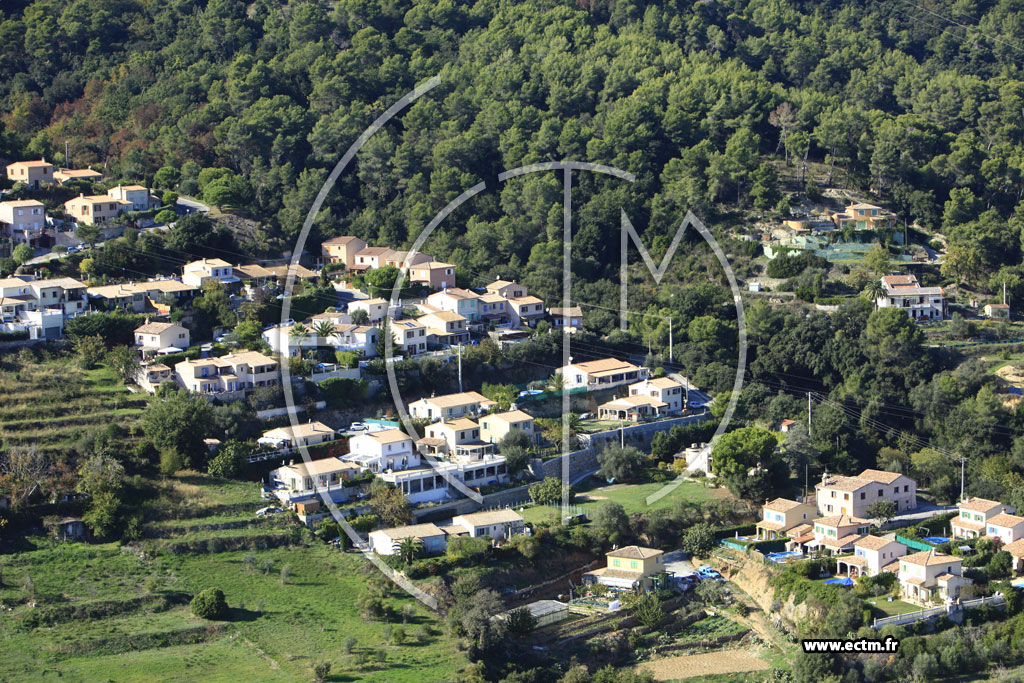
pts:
pixel 692 666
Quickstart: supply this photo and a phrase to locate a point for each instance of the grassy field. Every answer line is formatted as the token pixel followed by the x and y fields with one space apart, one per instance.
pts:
pixel 140 626
pixel 47 405
pixel 882 608
pixel 632 497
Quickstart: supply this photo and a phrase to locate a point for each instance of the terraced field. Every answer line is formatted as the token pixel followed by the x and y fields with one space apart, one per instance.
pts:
pixel 99 612
pixel 50 405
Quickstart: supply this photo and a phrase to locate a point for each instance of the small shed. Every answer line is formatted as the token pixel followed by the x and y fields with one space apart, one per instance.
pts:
pixel 67 528
pixel 997 311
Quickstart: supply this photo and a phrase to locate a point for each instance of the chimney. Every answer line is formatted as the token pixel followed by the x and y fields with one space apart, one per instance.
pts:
pixel 81 195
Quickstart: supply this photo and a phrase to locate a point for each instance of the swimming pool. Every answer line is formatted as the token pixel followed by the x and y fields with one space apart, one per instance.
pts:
pixel 784 556
pixel 936 539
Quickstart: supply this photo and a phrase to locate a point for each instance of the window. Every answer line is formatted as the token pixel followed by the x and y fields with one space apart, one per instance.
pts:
pixel 632 564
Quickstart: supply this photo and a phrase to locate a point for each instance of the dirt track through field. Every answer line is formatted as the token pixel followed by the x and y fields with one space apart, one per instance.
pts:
pixel 692 666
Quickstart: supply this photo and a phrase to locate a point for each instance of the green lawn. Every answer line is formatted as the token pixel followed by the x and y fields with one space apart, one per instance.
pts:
pixel 277 630
pixel 889 609
pixel 632 497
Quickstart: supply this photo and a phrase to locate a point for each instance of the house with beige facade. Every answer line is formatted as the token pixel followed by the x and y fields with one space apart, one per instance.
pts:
pixel 1005 527
pixel 663 389
pixel 32 173
pixel 289 438
pixel 152 375
pixel 228 377
pixel 63 175
pixel 972 517
pixel 630 568
pixel 410 336
pixel 341 249
pixel 154 336
pixel 22 220
pixel 458 438
pixel 376 309
pixel 450 406
pixel 568 318
pixel 780 515
pixel 371 257
pixel 506 290
pixel 138 195
pixel 95 209
pixel 525 311
pixel 433 274
pixel 456 300
pixel 854 495
pixel 496 426
pixel 444 328
pixel 931 577
pixel 836 535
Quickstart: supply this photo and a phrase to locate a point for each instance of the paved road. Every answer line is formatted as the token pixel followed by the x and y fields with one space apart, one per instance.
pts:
pixel 191 205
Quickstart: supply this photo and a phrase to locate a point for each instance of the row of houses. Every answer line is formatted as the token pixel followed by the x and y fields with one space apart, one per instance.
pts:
pixel 40 307
pixel 494 524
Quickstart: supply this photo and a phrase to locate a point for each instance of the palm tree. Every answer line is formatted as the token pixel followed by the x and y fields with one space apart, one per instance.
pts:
pixel 874 291
pixel 557 382
pixel 324 329
pixel 298 334
pixel 409 549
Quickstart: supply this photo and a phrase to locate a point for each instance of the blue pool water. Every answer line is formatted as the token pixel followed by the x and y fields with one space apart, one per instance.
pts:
pixel 784 556
pixel 936 539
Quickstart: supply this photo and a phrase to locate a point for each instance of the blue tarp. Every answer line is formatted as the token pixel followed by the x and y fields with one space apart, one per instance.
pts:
pixel 840 582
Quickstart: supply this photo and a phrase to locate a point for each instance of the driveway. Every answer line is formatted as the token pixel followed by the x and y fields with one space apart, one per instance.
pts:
pixel 678 562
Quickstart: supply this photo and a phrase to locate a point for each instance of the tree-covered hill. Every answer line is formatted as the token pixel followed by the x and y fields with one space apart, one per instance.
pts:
pixel 912 101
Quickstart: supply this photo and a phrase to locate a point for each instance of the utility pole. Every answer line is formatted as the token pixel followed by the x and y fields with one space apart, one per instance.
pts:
pixel 460 367
pixel 809 409
pixel 963 462
pixel 1004 294
pixel 670 328
pixel 67 154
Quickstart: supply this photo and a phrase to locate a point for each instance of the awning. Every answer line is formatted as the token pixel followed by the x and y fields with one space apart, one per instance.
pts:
pixel 170 349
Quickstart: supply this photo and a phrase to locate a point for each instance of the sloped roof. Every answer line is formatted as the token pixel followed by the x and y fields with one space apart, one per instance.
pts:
pixel 635 552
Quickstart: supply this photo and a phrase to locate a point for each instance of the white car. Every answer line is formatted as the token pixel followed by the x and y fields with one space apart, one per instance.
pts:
pixel 263 512
pixel 356 427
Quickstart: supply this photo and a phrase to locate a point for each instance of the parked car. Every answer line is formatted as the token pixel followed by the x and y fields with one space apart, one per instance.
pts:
pixel 263 512
pixel 356 427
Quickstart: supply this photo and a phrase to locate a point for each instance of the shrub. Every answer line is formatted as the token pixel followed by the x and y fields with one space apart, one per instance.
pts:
pixel 521 622
pixel 209 603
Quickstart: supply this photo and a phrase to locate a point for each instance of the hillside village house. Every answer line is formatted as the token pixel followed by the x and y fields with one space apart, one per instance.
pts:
pixel 920 303
pixel 973 515
pixel 398 258
pixel 137 296
pixel 450 406
pixel 664 389
pixel 370 257
pixel 496 426
pixel 872 555
pixel 629 568
pixel 854 495
pixel 1016 550
pixel 387 541
pixel 780 515
pixel 410 336
pixel 459 438
pixel 152 375
pixel 506 290
pixel 376 309
pixel 1007 528
pixel 837 534
pixel 444 328
pixel 632 409
pixel 95 209
pixel 205 270
pixel 570 318
pixel 137 195
pixel 606 373
pixel 388 449
pixel 498 524
pixel 928 576
pixel 997 311
pixel 525 311
pixel 433 274
pixel 289 438
pixel 298 481
pixel 22 220
pixel 63 175
pixel 455 300
pixel 40 307
pixel 155 336
pixel 228 377
pixel 863 216
pixel 32 173
pixel 493 308
pixel 428 484
pixel 342 249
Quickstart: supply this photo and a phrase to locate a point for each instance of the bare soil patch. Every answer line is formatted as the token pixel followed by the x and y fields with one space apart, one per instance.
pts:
pixel 706 664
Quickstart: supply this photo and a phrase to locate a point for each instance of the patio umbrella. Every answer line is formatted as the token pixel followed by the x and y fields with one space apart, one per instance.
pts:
pixel 844 581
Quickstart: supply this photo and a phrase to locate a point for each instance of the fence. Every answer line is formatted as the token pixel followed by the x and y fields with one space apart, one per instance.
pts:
pixel 916 545
pixel 998 600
